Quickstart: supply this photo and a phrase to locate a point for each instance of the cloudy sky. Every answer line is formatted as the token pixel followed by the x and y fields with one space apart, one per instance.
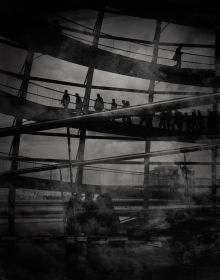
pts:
pixel 45 66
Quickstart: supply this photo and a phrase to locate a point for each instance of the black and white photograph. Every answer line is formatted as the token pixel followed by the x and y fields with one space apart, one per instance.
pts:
pixel 109 140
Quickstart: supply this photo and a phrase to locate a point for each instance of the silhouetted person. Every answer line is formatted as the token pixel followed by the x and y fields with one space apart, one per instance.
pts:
pixel 200 122
pixel 162 120
pixel 104 202
pixel 79 104
pixel 186 120
pixel 89 205
pixel 99 103
pixel 179 120
pixel 114 105
pixel 148 119
pixel 123 103
pixel 178 57
pixel 106 215
pixel 193 121
pixel 174 125
pixel 143 119
pixel 168 118
pixel 66 99
pixel 127 103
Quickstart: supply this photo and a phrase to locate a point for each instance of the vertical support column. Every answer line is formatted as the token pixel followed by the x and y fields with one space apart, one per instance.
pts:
pixel 215 108
pixel 80 157
pixel 89 78
pixel 73 190
pixel 154 59
pixel 150 100
pixel 62 197
pixel 16 144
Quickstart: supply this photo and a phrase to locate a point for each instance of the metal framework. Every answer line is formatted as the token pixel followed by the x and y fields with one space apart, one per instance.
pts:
pixel 16 144
pixel 93 57
pixel 150 100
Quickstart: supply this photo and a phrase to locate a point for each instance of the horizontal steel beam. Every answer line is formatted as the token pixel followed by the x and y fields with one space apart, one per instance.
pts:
pixel 112 159
pixel 40 40
pixel 105 88
pixel 118 38
pixel 136 41
pixel 183 163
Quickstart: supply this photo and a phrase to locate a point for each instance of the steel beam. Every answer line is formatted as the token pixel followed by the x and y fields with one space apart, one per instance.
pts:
pixel 77 52
pixel 118 38
pixel 125 112
pixel 122 162
pixel 16 145
pixel 105 88
pixel 136 41
pixel 91 137
pixel 215 108
pixel 199 139
pixel 146 183
pixel 73 190
pixel 86 102
pixel 112 159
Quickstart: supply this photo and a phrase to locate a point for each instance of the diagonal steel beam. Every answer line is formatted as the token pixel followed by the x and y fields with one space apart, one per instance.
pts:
pixel 124 162
pixel 111 159
pixel 125 112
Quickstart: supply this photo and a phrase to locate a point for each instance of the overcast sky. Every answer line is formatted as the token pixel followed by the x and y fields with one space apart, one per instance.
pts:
pixel 45 66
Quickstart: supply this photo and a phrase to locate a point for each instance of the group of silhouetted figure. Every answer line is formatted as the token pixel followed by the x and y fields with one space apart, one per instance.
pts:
pixel 66 101
pixel 98 104
pixel 194 123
